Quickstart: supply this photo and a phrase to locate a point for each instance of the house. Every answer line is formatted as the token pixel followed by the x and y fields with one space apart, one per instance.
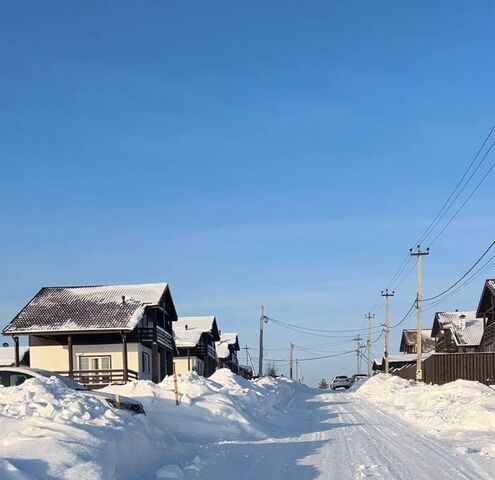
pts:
pixel 227 348
pixel 457 331
pixel 246 371
pixel 8 356
pixel 408 341
pixel 100 335
pixel 195 339
pixel 486 312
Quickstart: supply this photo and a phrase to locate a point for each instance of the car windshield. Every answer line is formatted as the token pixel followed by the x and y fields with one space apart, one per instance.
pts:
pixel 68 381
pixel 341 377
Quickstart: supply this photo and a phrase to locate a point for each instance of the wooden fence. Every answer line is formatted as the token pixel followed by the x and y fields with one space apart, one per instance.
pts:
pixel 442 368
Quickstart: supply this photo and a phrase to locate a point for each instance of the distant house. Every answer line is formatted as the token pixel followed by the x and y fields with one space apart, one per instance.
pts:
pixel 195 339
pixel 377 366
pixel 486 312
pixel 457 331
pixel 246 371
pixel 408 341
pixel 8 356
pixel 100 334
pixel 227 348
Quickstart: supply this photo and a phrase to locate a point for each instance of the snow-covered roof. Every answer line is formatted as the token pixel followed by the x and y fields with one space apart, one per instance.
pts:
pixel 226 340
pixel 465 327
pixel 406 357
pixel 188 330
pixel 85 308
pixel 7 355
pixel 409 339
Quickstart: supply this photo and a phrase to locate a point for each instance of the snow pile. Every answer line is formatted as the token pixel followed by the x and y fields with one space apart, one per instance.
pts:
pixel 51 431
pixel 460 405
pixel 50 398
pixel 224 406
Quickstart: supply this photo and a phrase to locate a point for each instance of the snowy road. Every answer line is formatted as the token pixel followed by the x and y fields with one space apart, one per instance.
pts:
pixel 336 436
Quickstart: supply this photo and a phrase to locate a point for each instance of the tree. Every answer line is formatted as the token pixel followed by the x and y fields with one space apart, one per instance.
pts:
pixel 323 384
pixel 271 370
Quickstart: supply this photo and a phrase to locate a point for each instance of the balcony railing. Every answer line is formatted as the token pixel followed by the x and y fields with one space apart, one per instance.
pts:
pixel 94 379
pixel 209 351
pixel 163 338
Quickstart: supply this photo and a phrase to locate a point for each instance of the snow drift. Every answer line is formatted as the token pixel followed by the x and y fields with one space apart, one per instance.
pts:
pixel 460 405
pixel 463 410
pixel 51 431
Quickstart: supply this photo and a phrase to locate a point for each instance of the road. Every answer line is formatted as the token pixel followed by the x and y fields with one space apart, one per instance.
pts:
pixel 336 436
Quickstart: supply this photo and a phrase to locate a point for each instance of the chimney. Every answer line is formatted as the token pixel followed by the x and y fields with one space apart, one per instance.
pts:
pixel 123 298
pixel 185 327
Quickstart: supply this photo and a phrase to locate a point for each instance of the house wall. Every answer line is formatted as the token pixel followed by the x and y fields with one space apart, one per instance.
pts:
pixel 182 365
pixel 56 357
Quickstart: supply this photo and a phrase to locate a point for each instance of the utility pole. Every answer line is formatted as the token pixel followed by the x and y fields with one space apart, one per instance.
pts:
pixel 291 373
pixel 387 296
pixel 358 352
pixel 419 306
pixel 297 370
pixel 262 325
pixel 370 317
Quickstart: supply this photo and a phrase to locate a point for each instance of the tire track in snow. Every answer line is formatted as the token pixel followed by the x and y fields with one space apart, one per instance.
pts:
pixel 380 446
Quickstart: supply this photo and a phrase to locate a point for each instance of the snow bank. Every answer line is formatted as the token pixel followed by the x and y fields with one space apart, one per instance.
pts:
pixel 51 431
pixel 224 406
pixel 460 405
pixel 50 398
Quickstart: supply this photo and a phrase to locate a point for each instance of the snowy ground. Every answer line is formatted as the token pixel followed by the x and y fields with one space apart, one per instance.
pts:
pixel 229 427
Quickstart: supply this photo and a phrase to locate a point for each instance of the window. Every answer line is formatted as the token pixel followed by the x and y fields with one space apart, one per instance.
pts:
pixel 94 363
pixel 145 362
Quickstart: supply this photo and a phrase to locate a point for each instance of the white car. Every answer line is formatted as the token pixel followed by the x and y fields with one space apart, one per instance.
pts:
pixel 15 376
pixel 341 381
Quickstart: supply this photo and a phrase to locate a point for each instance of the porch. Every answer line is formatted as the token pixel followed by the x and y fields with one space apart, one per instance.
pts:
pixel 95 379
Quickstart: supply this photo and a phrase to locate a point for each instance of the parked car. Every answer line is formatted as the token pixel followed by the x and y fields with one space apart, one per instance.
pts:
pixel 341 381
pixel 358 376
pixel 15 376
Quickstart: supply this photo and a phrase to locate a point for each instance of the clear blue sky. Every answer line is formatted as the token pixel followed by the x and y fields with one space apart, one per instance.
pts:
pixel 285 153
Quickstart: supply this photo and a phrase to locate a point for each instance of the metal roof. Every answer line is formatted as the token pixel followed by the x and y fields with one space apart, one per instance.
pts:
pixel 86 308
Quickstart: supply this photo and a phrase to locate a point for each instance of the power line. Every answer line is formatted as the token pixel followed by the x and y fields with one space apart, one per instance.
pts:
pixel 468 198
pixel 327 356
pixel 315 329
pixel 443 210
pixel 463 276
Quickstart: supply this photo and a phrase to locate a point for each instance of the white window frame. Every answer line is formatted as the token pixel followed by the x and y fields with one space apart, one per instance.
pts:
pixel 145 362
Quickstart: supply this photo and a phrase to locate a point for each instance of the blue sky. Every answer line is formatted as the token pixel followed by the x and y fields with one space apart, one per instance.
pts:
pixel 263 152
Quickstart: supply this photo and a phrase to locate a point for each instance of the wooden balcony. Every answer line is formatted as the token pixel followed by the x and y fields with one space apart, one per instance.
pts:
pixel 95 379
pixel 209 351
pixel 163 338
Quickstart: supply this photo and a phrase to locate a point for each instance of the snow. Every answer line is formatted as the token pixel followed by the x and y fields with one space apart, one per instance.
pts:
pixel 466 328
pixel 461 407
pixel 222 347
pixel 188 330
pixel 229 427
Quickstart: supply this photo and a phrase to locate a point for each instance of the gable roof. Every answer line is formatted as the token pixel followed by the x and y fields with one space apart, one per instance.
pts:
pixel 227 340
pixel 188 330
pixel 409 339
pixel 466 329
pixel 86 308
pixel 486 296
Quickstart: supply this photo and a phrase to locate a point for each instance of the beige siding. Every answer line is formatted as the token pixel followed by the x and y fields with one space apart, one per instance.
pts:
pixel 55 357
pixel 182 365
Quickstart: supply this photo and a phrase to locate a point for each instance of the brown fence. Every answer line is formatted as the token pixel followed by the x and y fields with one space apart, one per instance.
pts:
pixel 442 368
